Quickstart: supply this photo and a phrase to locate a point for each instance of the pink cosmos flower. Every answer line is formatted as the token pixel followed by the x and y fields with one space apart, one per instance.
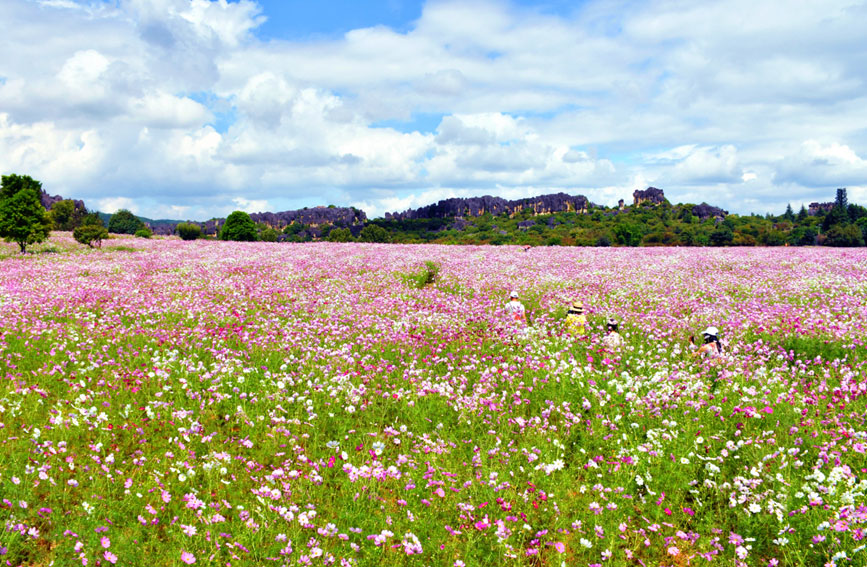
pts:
pixel 110 557
pixel 106 543
pixel 188 558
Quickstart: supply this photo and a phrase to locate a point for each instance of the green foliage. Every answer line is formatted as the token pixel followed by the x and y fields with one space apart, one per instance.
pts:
pixel 268 234
pixel 340 235
pixel 124 222
pixel 374 233
pixel 722 236
pixel 240 227
pixel 844 235
pixel 65 215
pixel 422 277
pixel 144 233
pixel 188 231
pixel 92 219
pixel 90 234
pixel 23 219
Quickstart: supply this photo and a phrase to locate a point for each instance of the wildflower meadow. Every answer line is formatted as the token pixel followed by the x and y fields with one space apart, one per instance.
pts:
pixel 170 403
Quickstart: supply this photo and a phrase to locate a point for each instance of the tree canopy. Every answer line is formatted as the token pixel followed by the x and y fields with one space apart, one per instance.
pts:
pixel 23 219
pixel 124 222
pixel 239 226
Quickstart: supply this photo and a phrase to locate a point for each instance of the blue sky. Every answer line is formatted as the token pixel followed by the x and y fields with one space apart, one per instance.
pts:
pixel 190 109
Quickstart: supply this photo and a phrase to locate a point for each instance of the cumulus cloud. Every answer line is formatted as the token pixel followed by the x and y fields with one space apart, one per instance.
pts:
pixel 817 164
pixel 177 103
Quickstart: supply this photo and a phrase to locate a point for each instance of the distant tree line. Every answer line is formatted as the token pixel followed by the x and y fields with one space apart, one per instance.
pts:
pixel 25 221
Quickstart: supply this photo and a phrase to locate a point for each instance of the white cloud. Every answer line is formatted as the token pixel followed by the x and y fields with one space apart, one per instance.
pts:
pixel 176 103
pixel 251 206
pixel 114 204
pixel 817 164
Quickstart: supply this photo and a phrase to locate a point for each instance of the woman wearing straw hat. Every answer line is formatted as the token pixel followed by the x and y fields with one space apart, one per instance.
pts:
pixel 576 321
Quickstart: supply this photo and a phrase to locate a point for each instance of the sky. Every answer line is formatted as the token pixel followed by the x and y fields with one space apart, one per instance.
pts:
pixel 191 109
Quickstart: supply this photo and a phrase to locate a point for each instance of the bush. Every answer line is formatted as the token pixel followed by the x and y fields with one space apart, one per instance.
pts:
pixel 144 233
pixel 90 235
pixel 374 233
pixel 239 227
pixel 339 235
pixel 268 234
pixel 188 231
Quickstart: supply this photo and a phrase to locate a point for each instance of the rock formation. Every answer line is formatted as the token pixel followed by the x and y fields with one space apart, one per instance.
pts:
pixel 477 206
pixel 819 208
pixel 650 195
pixel 705 211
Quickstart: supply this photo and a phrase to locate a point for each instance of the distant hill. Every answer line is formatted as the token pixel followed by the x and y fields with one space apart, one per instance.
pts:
pixel 556 219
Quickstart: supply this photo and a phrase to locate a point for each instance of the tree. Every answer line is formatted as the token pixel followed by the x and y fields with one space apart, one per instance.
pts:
pixel 23 219
pixel 844 235
pixel 65 215
pixel 789 215
pixel 802 214
pixel 374 233
pixel 841 201
pixel 124 222
pixel 723 236
pixel 240 227
pixel 144 233
pixel 268 234
pixel 188 231
pixel 339 235
pixel 90 234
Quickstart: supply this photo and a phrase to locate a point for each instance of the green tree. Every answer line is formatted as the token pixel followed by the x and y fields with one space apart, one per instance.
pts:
pixel 144 233
pixel 844 235
pixel 722 236
pixel 268 234
pixel 802 236
pixel 374 233
pixel 802 214
pixel 23 219
pixel 90 234
pixel 188 231
pixel 124 222
pixel 239 226
pixel 340 235
pixel 841 201
pixel 789 215
pixel 628 234
pixel 65 215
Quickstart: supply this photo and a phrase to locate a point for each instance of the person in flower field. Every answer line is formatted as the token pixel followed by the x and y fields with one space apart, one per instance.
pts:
pixel 711 347
pixel 515 311
pixel 576 321
pixel 612 340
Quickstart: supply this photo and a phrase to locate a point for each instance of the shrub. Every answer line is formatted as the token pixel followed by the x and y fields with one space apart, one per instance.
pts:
pixel 144 233
pixel 374 233
pixel 90 235
pixel 188 231
pixel 339 235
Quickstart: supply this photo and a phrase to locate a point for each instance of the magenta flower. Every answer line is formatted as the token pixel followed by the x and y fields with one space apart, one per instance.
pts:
pixel 188 558
pixel 110 557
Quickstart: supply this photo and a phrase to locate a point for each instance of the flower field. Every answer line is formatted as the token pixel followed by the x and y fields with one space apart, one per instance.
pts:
pixel 168 403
